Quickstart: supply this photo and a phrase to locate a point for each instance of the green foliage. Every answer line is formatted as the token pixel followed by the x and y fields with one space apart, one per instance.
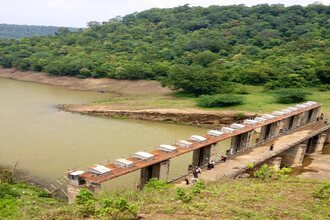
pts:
pixel 118 208
pixel 194 49
pixel 219 100
pixel 267 172
pixel 323 193
pixel 286 81
pixel 6 176
pixel 242 90
pixel 194 79
pixel 85 201
pixel 155 184
pixel 324 88
pixel 288 96
pixel 19 31
pixel 250 165
pixel 7 190
pixel 183 195
pixel 186 195
pixel 240 116
pixel 197 187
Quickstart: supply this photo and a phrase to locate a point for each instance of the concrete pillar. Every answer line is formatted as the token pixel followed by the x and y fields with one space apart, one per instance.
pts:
pixel 311 143
pixel 275 129
pixel 315 114
pixel 203 156
pixel 320 142
pixel 276 162
pixel 239 142
pixel 286 123
pixel 294 156
pixel 264 133
pixel 327 140
pixel 159 171
pixel 297 120
pixel 306 117
pixel 72 192
pixel 270 130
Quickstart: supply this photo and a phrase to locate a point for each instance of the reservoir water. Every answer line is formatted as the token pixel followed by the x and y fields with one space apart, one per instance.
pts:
pixel 46 142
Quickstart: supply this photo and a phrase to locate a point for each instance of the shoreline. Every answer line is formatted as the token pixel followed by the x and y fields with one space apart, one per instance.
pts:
pixel 122 87
pixel 194 117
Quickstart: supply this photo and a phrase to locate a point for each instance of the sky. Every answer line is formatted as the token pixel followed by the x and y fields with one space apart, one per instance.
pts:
pixel 76 13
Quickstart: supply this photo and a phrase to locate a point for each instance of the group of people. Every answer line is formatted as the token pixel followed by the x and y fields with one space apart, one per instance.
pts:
pixel 197 170
pixel 192 179
pixel 321 118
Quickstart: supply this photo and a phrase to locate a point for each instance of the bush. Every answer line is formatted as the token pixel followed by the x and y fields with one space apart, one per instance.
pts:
pixel 186 195
pixel 220 100
pixel 324 88
pixel 183 195
pixel 288 96
pixel 6 190
pixel 269 172
pixel 85 202
pixel 156 184
pixel 118 208
pixel 286 81
pixel 242 90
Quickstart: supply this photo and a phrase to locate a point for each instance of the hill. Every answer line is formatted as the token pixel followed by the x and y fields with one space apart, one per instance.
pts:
pixel 200 50
pixel 20 31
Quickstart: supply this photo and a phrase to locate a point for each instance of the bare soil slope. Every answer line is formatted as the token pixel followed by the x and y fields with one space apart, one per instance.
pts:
pixel 104 84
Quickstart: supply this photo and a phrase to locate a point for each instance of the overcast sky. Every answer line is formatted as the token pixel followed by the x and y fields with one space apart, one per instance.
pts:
pixel 76 13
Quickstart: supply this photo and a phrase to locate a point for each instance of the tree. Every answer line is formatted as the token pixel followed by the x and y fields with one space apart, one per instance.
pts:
pixel 194 79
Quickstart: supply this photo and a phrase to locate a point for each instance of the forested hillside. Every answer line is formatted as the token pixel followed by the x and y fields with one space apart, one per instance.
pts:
pixel 19 31
pixel 200 50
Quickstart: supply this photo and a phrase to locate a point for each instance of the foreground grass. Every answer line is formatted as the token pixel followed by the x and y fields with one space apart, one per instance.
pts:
pixel 256 101
pixel 290 198
pixel 241 199
pixel 24 201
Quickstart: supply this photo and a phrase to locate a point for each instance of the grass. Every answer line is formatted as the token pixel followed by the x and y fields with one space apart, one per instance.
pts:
pixel 31 203
pixel 289 198
pixel 257 101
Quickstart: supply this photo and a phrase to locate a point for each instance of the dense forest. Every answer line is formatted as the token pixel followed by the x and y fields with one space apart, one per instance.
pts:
pixel 20 31
pixel 199 50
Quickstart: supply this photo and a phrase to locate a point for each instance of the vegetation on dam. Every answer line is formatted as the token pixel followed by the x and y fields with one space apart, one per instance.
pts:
pixel 285 198
pixel 195 49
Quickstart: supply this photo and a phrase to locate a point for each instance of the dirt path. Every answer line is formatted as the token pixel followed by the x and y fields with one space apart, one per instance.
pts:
pixel 125 87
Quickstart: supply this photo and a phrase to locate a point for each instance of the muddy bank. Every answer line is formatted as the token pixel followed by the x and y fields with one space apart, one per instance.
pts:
pixel 181 116
pixel 105 85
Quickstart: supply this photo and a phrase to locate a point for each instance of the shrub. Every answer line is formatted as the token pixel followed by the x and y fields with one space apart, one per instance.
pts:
pixel 6 190
pixel 156 184
pixel 186 195
pixel 183 195
pixel 85 202
pixel 324 88
pixel 286 81
pixel 219 100
pixel 242 90
pixel 287 96
pixel 197 188
pixel 118 208
pixel 266 172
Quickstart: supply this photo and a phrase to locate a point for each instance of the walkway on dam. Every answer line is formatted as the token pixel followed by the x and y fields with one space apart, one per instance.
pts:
pixel 238 164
